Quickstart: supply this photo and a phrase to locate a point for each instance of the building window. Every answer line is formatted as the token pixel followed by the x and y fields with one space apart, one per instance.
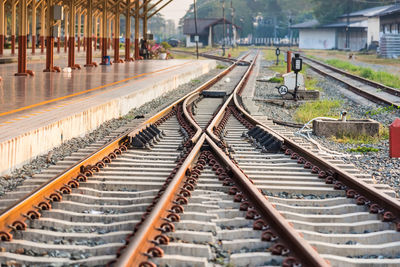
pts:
pixel 386 28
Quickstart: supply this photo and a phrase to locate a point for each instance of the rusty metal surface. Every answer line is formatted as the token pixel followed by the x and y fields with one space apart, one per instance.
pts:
pixel 141 242
pixel 300 247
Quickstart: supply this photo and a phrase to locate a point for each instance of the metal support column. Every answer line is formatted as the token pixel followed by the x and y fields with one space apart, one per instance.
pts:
pixel 13 25
pixel 50 39
pixel 2 27
pixel 42 26
pixel 104 34
pixel 79 29
pixel 22 38
pixel 128 57
pixel 66 31
pixel 71 39
pixel 34 7
pixel 116 34
pixel 145 20
pixel 89 34
pixel 137 16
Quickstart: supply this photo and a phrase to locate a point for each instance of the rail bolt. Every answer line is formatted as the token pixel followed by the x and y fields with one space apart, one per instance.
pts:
pixel 120 250
pixel 33 214
pixel 56 197
pixel 308 165
pixel 233 190
pixel 388 217
pixel 375 209
pixel 338 186
pixel 181 200
pixel 329 180
pixel 44 206
pixel 322 174
pixel 177 208
pixel 100 165
pixel 219 171
pixel 212 162
pixel 244 206
pixel 19 225
pixel 227 182
pixel 268 236
pixel 4 236
pixel 188 187
pixel 185 193
pixel 173 217
pixel 106 160
pixel 73 184
pixel 81 178
pixel 294 156
pixel 279 249
pixel 123 148
pixel 315 169
pixel 162 239
pixel 167 227
pixel 156 252
pixel 362 201
pixel 117 151
pixel 238 198
pixel 351 193
pixel 291 262
pixel 288 152
pixel 259 225
pixel 65 190
pixel 112 155
pixel 251 214
pixel 301 160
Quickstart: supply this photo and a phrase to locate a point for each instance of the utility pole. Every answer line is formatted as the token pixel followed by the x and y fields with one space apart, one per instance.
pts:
pixel 195 26
pixel 348 25
pixel 223 17
pixel 233 26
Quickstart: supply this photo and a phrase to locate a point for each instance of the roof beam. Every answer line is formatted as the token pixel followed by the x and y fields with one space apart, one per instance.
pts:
pixel 158 10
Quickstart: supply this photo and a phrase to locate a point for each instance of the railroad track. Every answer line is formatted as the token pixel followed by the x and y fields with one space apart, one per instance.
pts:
pixel 203 183
pixel 376 92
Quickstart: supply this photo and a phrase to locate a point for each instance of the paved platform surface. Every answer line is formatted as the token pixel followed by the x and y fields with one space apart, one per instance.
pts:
pixel 38 113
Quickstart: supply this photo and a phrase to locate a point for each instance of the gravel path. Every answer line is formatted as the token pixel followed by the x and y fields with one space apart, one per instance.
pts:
pixel 10 182
pixel 378 164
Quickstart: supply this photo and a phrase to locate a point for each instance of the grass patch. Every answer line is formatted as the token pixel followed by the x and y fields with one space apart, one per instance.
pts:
pixel 363 149
pixel 276 80
pixel 320 108
pixel 311 84
pixel 280 69
pixel 221 67
pixel 367 73
pixel 195 81
pixel 389 109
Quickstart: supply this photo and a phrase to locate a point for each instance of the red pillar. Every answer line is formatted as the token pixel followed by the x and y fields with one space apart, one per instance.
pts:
pixel 89 55
pixel 128 50
pixel 137 49
pixel 33 44
pixel 22 46
pixel 1 45
pixel 79 44
pixel 116 50
pixel 95 43
pixel 71 53
pixel 84 43
pixel 12 44
pixel 65 44
pixel 103 50
pixel 58 44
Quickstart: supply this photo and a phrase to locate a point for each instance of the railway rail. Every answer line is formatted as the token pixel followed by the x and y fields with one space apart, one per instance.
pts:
pixel 203 183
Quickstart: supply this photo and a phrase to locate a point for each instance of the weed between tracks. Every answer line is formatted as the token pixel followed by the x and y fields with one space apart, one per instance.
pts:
pixel 367 73
pixel 320 108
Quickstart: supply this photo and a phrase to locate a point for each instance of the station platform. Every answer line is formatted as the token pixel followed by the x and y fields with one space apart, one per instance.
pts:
pixel 41 112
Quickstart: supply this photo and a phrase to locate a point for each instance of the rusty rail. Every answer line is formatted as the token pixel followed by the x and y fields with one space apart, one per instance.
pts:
pixel 142 241
pixel 300 247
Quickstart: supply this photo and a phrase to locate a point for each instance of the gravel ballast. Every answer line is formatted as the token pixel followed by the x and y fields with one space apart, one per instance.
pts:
pixel 378 164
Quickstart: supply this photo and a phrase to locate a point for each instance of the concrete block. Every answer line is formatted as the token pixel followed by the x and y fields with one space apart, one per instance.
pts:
pixel 339 128
pixel 290 81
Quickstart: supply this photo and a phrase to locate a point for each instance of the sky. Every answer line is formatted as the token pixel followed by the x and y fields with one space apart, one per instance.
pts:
pixel 176 9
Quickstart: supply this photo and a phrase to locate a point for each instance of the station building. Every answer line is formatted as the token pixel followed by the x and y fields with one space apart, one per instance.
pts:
pixel 365 27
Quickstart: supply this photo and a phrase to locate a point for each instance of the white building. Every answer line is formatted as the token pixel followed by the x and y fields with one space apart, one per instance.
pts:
pixel 363 27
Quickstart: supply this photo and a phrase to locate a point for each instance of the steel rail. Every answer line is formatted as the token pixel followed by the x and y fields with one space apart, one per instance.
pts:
pixel 383 87
pixel 27 208
pixel 355 89
pixel 288 235
pixel 142 240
